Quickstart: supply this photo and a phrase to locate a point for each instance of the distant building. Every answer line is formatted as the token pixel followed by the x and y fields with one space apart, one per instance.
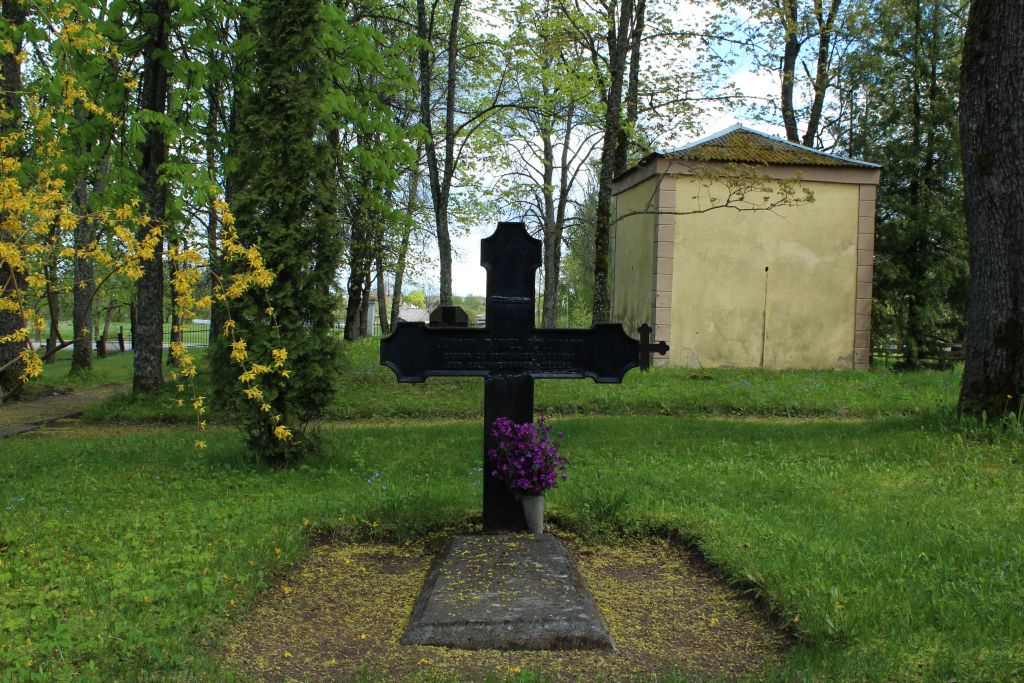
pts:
pixel 787 288
pixel 413 314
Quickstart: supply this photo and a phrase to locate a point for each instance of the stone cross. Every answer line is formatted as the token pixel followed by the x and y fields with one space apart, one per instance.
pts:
pixel 510 352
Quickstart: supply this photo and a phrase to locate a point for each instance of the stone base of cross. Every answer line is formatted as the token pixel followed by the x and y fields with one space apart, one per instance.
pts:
pixel 510 353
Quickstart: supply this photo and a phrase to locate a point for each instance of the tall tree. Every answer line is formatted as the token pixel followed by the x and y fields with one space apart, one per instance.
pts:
pixel 906 77
pixel 441 167
pixel 11 116
pixel 802 43
pixel 147 337
pixel 224 68
pixel 992 140
pixel 636 102
pixel 363 217
pixel 822 23
pixel 462 84
pixel 311 67
pixel 284 202
pixel 625 26
pixel 412 204
pixel 373 156
pixel 85 282
pixel 550 135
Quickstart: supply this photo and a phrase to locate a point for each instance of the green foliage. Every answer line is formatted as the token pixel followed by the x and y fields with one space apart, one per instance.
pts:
pixel 576 284
pixel 416 297
pixel 472 304
pixel 286 206
pixel 907 73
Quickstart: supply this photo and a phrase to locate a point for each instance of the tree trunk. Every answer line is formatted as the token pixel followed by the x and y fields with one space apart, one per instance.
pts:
pixel 364 308
pixel 101 351
pixel 382 298
pixel 552 247
pixel 791 26
pixel 176 322
pixel 618 44
pixel 440 178
pixel 826 26
pixel 11 282
pixel 403 248
pixel 86 231
pixel 396 290
pixel 992 145
pixel 212 219
pixel 53 306
pixel 564 187
pixel 147 339
pixel 359 271
pixel 631 102
pixel 352 306
pixel 444 247
pixel 85 286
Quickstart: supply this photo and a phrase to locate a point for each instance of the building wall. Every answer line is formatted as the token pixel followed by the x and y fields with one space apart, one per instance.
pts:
pixel 633 255
pixel 801 313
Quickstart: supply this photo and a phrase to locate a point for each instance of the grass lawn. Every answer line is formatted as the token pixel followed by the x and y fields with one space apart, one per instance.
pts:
pixel 884 535
pixel 370 392
pixel 114 369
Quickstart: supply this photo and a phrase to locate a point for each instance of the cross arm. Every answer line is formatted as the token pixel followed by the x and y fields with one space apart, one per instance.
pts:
pixel 415 351
pixel 647 347
pixel 604 353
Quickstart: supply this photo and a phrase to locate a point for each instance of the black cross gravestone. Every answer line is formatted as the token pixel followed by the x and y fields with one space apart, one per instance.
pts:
pixel 510 352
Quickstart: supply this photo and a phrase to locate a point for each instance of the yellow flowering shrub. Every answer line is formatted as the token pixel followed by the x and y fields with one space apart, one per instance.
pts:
pixel 37 222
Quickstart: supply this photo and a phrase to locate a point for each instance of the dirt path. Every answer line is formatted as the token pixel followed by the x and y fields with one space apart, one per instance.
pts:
pixel 22 416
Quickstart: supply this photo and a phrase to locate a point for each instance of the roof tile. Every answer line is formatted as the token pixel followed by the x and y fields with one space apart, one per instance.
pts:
pixel 744 145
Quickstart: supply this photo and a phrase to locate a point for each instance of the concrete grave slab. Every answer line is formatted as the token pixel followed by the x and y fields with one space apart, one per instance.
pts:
pixel 507 592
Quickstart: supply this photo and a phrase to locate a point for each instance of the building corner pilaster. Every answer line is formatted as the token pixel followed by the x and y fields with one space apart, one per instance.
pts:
pixel 865 276
pixel 664 251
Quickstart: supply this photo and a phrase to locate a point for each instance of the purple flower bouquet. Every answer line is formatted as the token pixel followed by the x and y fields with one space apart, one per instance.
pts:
pixel 526 458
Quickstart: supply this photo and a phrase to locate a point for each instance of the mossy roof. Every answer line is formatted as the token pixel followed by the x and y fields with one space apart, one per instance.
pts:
pixel 739 144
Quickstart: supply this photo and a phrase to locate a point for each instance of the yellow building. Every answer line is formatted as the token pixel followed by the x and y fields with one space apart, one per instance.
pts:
pixel 710 251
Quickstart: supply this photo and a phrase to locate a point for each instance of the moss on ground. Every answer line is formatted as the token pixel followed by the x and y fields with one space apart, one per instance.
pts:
pixel 341 613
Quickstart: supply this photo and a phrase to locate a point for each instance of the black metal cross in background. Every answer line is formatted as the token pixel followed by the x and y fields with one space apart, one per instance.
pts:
pixel 510 352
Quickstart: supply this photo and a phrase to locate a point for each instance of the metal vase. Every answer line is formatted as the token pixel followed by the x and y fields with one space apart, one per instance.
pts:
pixel 533 509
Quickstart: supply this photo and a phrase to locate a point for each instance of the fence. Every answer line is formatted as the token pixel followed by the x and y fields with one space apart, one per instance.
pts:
pixel 892 355
pixel 193 337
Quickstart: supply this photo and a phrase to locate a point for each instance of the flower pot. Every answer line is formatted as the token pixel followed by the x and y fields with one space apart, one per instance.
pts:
pixel 533 509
